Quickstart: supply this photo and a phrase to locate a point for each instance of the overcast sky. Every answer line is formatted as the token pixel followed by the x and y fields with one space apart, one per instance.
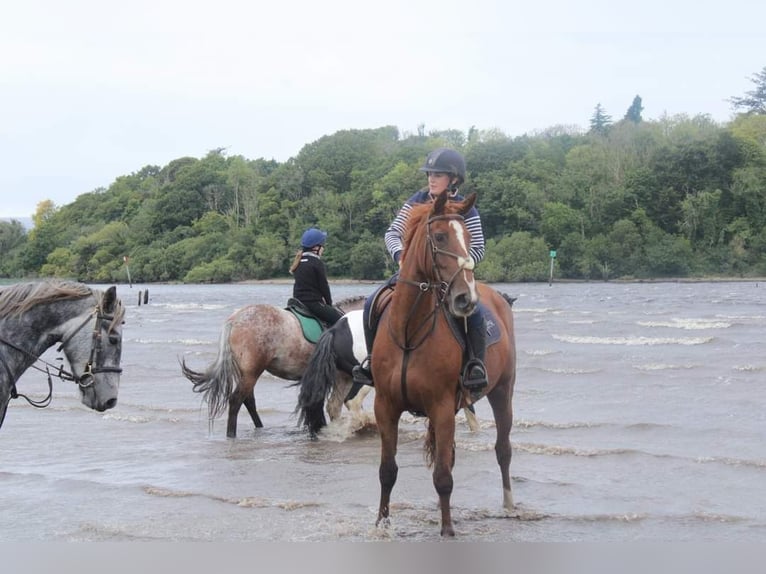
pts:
pixel 91 89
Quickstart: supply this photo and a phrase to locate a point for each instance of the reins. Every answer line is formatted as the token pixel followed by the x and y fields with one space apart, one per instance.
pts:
pixel 439 288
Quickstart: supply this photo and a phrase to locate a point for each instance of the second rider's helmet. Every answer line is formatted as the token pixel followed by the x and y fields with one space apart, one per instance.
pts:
pixel 313 237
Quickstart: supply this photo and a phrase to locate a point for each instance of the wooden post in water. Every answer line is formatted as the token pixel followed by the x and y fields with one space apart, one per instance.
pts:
pixel 553 258
pixel 146 296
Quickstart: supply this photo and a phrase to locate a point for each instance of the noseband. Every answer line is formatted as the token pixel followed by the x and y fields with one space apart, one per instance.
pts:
pixel 464 263
pixel 96 346
pixel 436 283
pixel 83 381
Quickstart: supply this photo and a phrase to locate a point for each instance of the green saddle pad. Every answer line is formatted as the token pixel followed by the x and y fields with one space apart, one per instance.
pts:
pixel 310 325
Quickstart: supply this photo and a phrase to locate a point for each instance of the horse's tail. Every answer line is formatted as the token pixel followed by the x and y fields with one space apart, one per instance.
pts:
pixel 429 446
pixel 317 383
pixel 218 380
pixel 508 299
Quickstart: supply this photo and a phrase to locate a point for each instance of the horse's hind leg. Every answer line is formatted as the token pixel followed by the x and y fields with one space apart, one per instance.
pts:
pixel 500 401
pixel 243 394
pixel 250 405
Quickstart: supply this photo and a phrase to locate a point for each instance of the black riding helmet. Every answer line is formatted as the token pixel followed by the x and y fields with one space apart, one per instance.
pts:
pixel 446 160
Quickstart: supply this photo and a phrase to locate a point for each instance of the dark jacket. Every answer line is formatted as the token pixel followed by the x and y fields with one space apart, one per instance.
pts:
pixel 311 280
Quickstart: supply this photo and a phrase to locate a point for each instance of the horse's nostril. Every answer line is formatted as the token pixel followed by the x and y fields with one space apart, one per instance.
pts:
pixel 110 404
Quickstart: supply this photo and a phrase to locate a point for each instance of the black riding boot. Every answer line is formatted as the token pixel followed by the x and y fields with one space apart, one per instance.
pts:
pixel 474 371
pixel 361 373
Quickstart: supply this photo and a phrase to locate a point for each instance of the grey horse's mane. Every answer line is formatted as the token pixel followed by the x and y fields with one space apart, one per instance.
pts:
pixel 19 298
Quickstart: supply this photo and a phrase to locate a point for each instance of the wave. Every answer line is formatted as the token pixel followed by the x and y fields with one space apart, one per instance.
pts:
pixel 749 368
pixel 189 342
pixel 663 367
pixel 190 306
pixel 557 450
pixel 687 324
pixel 632 341
pixel 569 371
pixel 245 502
pixel 539 352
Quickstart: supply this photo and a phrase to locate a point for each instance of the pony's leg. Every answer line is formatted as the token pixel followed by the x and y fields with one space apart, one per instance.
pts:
pixel 355 405
pixel 240 396
pixel 500 401
pixel 250 406
pixel 388 427
pixel 442 433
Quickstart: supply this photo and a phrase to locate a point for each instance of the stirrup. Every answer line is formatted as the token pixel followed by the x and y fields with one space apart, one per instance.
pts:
pixel 474 378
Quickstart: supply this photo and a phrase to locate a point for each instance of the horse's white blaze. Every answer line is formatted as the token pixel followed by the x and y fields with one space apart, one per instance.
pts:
pixel 467 263
pixel 356 326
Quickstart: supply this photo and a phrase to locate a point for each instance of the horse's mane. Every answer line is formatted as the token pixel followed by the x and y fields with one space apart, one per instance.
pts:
pixel 19 298
pixel 419 213
pixel 350 300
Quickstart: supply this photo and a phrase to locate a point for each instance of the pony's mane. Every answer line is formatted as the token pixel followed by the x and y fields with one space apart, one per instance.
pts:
pixel 19 298
pixel 350 300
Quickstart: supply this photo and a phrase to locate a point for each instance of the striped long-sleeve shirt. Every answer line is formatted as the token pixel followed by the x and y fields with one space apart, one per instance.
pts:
pixel 395 231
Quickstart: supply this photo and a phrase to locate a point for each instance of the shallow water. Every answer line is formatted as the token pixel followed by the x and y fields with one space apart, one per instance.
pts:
pixel 639 415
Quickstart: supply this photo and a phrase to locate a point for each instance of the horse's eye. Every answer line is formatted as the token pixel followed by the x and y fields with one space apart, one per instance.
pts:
pixel 114 339
pixel 440 237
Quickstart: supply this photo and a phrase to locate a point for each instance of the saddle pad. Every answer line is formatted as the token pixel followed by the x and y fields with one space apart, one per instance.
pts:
pixel 493 329
pixel 311 327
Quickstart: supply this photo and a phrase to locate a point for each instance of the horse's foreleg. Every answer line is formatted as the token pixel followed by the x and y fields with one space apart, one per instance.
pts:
pixel 443 427
pixel 388 426
pixel 500 401
pixel 355 404
pixel 250 406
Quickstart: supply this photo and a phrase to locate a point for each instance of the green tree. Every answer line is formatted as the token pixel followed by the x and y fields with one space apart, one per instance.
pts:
pixel 634 111
pixel 754 101
pixel 600 121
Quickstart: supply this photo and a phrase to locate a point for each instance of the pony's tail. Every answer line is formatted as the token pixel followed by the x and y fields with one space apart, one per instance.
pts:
pixel 218 380
pixel 316 384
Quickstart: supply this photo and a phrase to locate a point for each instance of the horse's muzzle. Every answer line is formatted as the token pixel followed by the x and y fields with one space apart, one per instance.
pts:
pixel 463 305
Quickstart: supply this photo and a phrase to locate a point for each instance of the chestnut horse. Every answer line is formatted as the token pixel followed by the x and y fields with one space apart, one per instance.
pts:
pixel 417 360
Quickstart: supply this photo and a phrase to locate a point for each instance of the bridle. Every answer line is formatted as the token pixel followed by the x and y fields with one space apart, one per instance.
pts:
pixel 439 287
pixel 92 366
pixel 437 284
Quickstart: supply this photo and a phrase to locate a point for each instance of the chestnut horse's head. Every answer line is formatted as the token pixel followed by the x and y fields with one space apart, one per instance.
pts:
pixel 436 252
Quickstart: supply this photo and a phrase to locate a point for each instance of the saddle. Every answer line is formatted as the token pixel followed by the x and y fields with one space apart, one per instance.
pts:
pixel 311 326
pixel 376 304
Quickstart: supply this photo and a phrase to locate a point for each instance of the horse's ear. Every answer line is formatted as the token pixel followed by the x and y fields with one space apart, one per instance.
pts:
pixel 441 201
pixel 109 300
pixel 468 203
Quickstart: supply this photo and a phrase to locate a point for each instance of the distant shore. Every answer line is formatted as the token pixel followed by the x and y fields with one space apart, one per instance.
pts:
pixel 289 281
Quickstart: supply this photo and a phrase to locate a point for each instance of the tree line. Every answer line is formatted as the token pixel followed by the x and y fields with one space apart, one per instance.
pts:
pixel 679 196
